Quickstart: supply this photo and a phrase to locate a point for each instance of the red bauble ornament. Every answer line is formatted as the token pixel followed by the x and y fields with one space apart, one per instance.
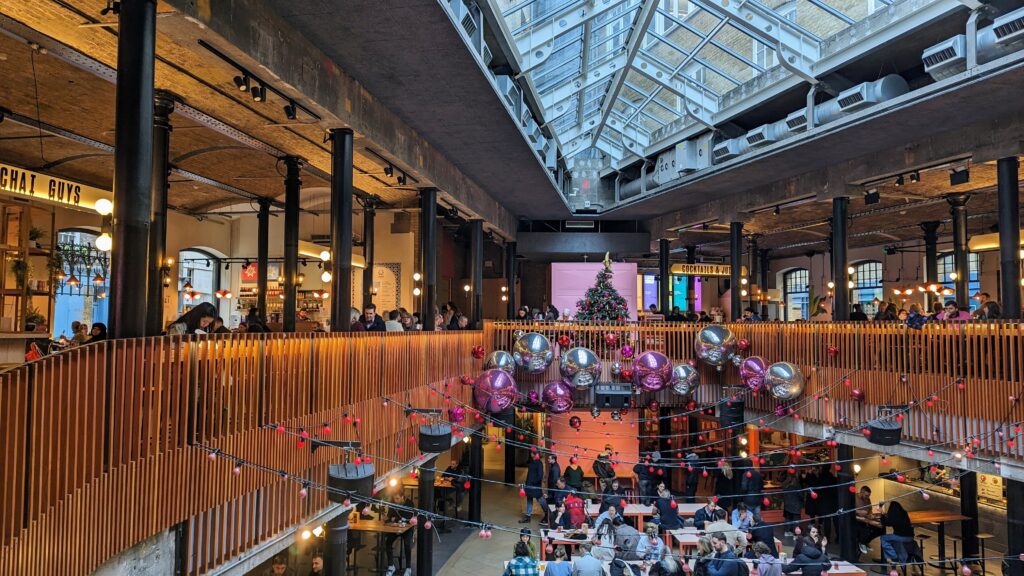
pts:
pixel 857 395
pixel 654 406
pixel 672 504
pixel 814 495
pixel 743 344
pixel 563 341
pixel 833 350
pixel 627 374
pixel 468 380
pixel 478 352
pixel 280 429
pixel 611 339
pixel 414 521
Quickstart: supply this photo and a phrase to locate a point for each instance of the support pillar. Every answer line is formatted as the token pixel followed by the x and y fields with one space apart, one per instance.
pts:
pixel 958 210
pixel 133 168
pixel 845 522
pixel 691 281
pixel 735 266
pixel 428 246
pixel 476 472
pixel 336 558
pixel 752 269
pixel 510 279
pixel 292 185
pixel 664 277
pixel 931 256
pixel 163 106
pixel 1014 527
pixel 1007 170
pixel 476 273
pixel 840 226
pixel 262 258
pixel 369 216
pixel 341 229
pixel 424 537
pixel 969 508
pixel 762 282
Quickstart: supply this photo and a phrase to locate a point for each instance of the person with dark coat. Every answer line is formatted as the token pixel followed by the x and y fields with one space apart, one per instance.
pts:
pixel 613 495
pixel 811 561
pixel 752 486
pixel 371 320
pixel 644 480
pixel 809 481
pixel 761 532
pixel 828 500
pixel 667 514
pixel 706 514
pixel 195 321
pixel 534 487
pixel 98 333
pixel 725 562
pixel 574 475
pixel 902 532
pixel 725 484
pixel 792 502
pixel 692 478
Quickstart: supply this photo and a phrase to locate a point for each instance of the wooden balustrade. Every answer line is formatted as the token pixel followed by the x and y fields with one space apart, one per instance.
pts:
pixel 890 363
pixel 99 444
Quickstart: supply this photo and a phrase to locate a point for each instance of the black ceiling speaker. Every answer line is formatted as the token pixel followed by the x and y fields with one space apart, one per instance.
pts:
pixel 435 438
pixel 884 432
pixel 612 395
pixel 356 478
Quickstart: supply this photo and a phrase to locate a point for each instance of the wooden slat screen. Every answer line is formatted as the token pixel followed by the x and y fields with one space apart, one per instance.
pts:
pixel 98 444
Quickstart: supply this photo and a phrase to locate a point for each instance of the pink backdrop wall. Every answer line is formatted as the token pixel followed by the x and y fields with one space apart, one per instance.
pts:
pixel 591 438
pixel 570 281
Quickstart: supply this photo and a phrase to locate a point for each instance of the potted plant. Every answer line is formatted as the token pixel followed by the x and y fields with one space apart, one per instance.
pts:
pixel 55 263
pixel 20 269
pixel 34 318
pixel 35 235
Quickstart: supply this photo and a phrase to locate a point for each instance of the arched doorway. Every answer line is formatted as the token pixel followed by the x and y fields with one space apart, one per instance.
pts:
pixel 83 283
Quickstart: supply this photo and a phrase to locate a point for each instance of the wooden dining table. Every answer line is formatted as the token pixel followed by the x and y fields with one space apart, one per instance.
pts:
pixel 378 527
pixel 939 517
pixel 559 537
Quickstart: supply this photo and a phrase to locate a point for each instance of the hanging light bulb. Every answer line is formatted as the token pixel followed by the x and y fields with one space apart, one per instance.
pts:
pixel 325 255
pixel 187 287
pixel 104 242
pixel 849 284
pixel 326 276
pixel 300 279
pixel 73 280
pixel 325 294
pixel 416 277
pixel 103 207
pixel 850 270
pixel 98 279
pixel 61 275
pixel 416 291
pixel 831 284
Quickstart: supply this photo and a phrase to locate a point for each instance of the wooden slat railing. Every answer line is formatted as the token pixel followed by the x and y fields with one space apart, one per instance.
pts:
pixel 889 362
pixel 98 445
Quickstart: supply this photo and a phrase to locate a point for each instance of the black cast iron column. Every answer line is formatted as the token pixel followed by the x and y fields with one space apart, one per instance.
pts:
pixel 424 538
pixel 969 508
pixel 476 472
pixel 292 185
pixel 510 278
pixel 958 210
pixel 262 258
pixel 133 168
pixel 763 281
pixel 336 561
pixel 691 281
pixel 1009 236
pixel 163 106
pixel 840 225
pixel 664 277
pixel 1014 526
pixel 735 269
pixel 931 255
pixel 369 215
pixel 428 246
pixel 476 273
pixel 752 268
pixel 341 229
pixel 845 522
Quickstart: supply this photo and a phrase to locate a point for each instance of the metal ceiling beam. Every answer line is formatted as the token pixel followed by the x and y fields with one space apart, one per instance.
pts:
pixel 535 42
pixel 714 42
pixel 636 37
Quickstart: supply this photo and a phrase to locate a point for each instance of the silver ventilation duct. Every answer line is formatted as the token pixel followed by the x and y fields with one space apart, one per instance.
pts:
pixel 949 57
pixel 847 102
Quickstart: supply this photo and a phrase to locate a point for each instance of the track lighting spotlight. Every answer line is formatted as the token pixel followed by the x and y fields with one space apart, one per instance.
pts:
pixel 242 83
pixel 899 180
pixel 872 197
pixel 401 179
pixel 259 93
pixel 389 170
pixel 915 177
pixel 289 110
pixel 776 211
pixel 958 177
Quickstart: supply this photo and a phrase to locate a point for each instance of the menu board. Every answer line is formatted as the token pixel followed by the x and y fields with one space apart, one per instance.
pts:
pixel 387 282
pixel 990 487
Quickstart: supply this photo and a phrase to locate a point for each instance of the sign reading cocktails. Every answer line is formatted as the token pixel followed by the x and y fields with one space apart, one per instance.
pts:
pixel 704 270
pixel 37 186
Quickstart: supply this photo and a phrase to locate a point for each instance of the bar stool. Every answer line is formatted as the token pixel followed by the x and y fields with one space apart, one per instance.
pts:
pixel 981 538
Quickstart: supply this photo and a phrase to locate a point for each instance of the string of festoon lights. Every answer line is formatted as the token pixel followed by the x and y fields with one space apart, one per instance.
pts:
pixel 485 528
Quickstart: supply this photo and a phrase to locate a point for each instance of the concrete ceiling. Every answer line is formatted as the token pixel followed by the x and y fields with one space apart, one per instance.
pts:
pixel 410 57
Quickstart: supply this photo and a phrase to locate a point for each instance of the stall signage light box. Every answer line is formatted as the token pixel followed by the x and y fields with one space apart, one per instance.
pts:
pixel 705 270
pixel 32 185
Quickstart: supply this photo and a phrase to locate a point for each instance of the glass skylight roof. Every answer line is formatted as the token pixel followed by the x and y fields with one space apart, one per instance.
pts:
pixel 615 73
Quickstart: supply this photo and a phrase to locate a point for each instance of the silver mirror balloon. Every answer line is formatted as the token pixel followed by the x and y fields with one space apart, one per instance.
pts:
pixel 685 380
pixel 532 353
pixel 784 380
pixel 581 367
pixel 715 344
pixel 616 368
pixel 501 360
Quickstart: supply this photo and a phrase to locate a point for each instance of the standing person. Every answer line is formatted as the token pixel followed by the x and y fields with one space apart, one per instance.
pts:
pixel 195 321
pixel 809 481
pixel 402 512
pixel 828 500
pixel 603 469
pixel 534 488
pixel 752 486
pixel 554 493
pixel 792 502
pixel 587 565
pixel 642 470
pixel 317 565
pixel 574 475
pixel 725 562
pixel 370 320
pixel 725 484
pixel 279 567
pixel 521 564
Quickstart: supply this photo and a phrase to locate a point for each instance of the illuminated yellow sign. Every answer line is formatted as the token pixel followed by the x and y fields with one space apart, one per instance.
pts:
pixel 705 270
pixel 34 185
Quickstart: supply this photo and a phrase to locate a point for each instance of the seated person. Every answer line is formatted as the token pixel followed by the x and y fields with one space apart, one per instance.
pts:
pixel 706 514
pixel 668 514
pixel 522 564
pixel 902 532
pixel 868 525
pixel 762 533
pixel 610 513
pixel 613 495
pixel 741 517
pixel 560 518
pixel 736 539
pixel 561 565
pixel 626 538
pixel 650 545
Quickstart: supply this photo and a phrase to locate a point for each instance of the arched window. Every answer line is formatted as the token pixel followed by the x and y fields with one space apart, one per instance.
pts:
pixel 946 268
pixel 82 285
pixel 867 286
pixel 199 278
pixel 796 293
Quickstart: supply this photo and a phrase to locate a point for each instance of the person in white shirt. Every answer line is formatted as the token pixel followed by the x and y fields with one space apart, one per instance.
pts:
pixel 650 545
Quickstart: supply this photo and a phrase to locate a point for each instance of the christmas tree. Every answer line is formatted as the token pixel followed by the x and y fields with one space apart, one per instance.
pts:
pixel 602 303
